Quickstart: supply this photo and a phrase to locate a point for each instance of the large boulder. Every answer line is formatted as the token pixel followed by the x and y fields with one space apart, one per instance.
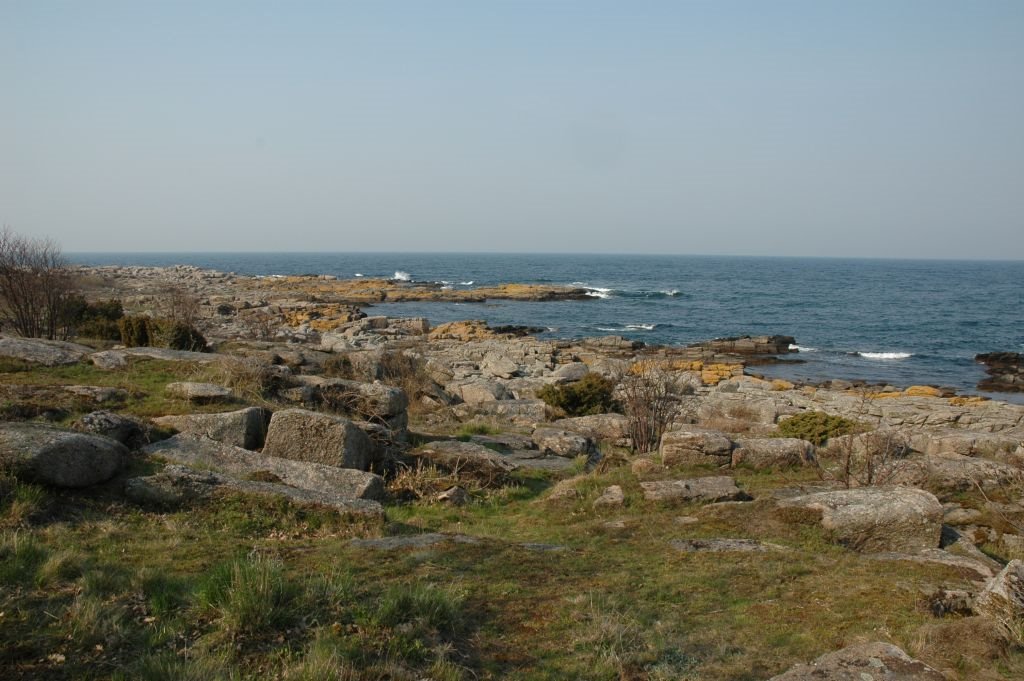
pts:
pixel 201 452
pixel 304 435
pixel 477 391
pixel 127 430
pixel 563 443
pixel 863 662
pixel 46 352
pixel 497 365
pixel 875 519
pixel 62 458
pixel 466 458
pixel 955 473
pixel 709 489
pixel 1002 599
pixel 695 446
pixel 375 402
pixel 177 485
pixel 773 452
pixel 515 411
pixel 246 428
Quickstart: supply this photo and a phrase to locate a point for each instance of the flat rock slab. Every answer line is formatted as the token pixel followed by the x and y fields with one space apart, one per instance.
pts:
pixel 246 428
pixel 544 548
pixel 413 541
pixel 565 443
pixel 46 352
pixel 863 662
pixel 466 458
pixel 875 519
pixel 533 459
pixel 973 570
pixel 724 546
pixel 773 453
pixel 62 458
pixel 177 484
pixel 169 355
pixel 695 446
pixel 956 473
pixel 98 394
pixel 200 451
pixel 198 392
pixel 709 489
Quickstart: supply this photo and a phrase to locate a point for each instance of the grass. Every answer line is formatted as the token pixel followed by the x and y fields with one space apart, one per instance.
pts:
pixel 242 588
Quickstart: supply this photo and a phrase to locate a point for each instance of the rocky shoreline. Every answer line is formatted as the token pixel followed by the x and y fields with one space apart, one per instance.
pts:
pixel 324 405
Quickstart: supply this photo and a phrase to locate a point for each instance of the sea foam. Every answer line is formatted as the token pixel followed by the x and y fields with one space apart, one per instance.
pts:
pixel 885 355
pixel 402 276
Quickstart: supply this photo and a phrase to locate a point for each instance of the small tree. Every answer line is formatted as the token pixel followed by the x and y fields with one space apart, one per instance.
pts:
pixel 651 399
pixel 36 286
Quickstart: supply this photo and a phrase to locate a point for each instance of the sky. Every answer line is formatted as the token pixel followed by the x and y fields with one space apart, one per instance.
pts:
pixel 819 128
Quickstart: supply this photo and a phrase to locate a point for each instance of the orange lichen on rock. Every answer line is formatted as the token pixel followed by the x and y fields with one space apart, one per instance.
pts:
pixel 922 391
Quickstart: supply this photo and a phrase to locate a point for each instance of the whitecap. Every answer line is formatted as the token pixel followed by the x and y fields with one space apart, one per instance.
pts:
pixel 465 283
pixel 885 355
pixel 641 327
pixel 801 348
pixel 671 293
pixel 402 276
pixel 359 274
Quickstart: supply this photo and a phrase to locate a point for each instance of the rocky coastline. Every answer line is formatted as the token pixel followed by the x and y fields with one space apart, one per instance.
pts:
pixel 307 397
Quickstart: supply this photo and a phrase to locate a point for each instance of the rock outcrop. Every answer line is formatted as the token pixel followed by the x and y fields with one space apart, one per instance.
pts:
pixel 62 458
pixel 863 662
pixel 304 435
pixel 246 428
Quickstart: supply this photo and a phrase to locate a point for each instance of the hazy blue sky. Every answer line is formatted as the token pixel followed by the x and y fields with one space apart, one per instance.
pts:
pixel 848 128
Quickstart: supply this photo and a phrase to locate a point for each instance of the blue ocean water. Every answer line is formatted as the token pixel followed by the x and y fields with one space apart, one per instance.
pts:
pixel 902 322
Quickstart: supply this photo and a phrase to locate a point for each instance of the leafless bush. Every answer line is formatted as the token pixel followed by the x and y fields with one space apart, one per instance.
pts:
pixel 249 378
pixel 36 286
pixel 260 324
pixel 878 457
pixel 651 399
pixel 180 304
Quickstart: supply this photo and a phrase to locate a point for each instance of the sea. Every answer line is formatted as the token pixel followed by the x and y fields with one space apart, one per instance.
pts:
pixel 900 322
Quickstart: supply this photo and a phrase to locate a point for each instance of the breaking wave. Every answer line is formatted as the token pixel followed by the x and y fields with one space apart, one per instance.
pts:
pixel 801 348
pixel 402 276
pixel 884 355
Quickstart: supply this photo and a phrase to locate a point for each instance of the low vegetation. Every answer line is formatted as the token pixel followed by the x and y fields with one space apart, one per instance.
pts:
pixel 817 427
pixel 593 394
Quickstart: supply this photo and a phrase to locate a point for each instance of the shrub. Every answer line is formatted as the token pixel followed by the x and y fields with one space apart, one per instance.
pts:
pixel 816 427
pixel 96 320
pixel 590 395
pixel 141 331
pixel 651 399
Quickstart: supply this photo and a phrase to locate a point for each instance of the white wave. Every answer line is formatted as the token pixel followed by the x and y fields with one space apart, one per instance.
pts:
pixel 598 293
pixel 465 283
pixel 402 276
pixel 801 348
pixel 885 355
pixel 359 274
pixel 606 328
pixel 671 293
pixel 641 327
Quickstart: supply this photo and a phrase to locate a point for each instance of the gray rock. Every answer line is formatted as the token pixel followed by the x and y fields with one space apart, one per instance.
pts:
pixel 875 519
pixel 863 662
pixel 773 453
pixel 515 411
pixel 173 355
pixel 563 443
pixel 109 359
pixel 695 446
pixel 198 392
pixel 202 452
pixel 177 485
pixel 246 428
pixel 709 489
pixel 724 545
pixel 303 435
pixel 129 431
pixel 499 366
pixel 456 496
pixel 574 371
pixel 956 473
pixel 477 391
pixel 98 394
pixel 1002 599
pixel 62 458
pixel 612 497
pixel 466 458
pixel 613 428
pixel 533 459
pixel 46 352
